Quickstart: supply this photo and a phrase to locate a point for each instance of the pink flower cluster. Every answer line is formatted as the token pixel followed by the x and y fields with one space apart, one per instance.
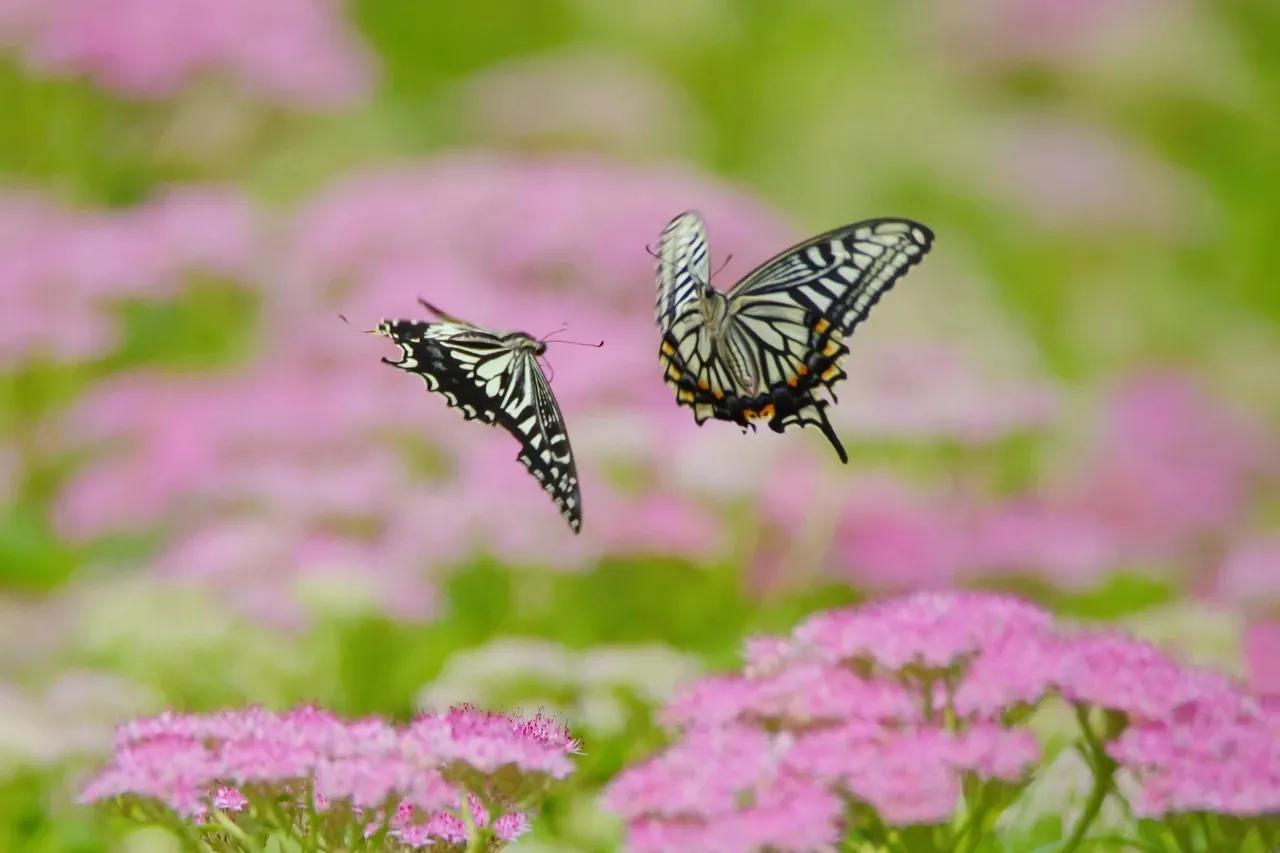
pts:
pixel 1169 467
pixel 60 269
pixel 300 53
pixel 891 707
pixel 409 781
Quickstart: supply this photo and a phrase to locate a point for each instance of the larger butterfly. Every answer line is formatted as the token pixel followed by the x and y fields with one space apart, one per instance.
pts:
pixel 764 350
pixel 495 377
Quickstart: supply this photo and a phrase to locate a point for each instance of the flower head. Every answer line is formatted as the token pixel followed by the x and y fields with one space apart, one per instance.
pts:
pixel 229 760
pixel 932 630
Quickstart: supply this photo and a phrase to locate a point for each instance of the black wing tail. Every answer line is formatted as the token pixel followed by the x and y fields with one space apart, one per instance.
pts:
pixel 825 426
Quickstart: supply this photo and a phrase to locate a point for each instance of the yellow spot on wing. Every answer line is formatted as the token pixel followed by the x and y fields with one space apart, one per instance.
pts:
pixel 832 347
pixel 821 326
pixel 667 348
pixel 830 373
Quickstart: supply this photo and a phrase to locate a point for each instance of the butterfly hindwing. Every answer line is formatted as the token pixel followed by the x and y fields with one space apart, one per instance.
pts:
pixel 770 347
pixel 495 378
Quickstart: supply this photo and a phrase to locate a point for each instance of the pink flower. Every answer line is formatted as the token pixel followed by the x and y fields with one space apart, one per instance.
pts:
pixel 1067 547
pixel 191 761
pixel 1250 574
pixel 838 712
pixel 791 814
pixel 797 696
pixel 1172 464
pixel 229 799
pixel 723 789
pixel 1118 672
pixel 415 828
pixel 1057 32
pixel 74 264
pixel 487 741
pixel 932 630
pixel 912 776
pixel 927 393
pixel 1262 655
pixel 1209 758
pixel 1017 669
pixel 703 775
pixel 887 540
pixel 295 52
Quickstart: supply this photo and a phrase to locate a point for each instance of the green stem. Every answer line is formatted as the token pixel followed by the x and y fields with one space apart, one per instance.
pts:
pixel 1104 770
pixel 971 834
pixel 229 826
pixel 312 817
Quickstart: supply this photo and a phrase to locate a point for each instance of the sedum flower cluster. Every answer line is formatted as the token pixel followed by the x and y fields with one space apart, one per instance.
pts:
pixel 903 725
pixel 459 779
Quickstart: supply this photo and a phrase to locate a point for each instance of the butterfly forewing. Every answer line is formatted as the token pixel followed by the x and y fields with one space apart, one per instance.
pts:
pixel 765 350
pixel 839 274
pixel 496 378
pixel 683 270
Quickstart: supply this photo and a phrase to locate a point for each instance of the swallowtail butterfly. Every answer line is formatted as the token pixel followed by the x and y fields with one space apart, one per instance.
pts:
pixel 495 377
pixel 763 350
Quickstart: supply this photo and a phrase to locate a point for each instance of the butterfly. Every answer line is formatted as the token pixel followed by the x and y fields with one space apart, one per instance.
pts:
pixel 765 349
pixel 494 377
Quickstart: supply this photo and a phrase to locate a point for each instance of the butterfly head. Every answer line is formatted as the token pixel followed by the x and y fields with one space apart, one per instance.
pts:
pixel 525 342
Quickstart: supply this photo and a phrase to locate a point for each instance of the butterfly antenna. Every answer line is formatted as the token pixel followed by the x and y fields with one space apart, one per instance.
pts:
pixel 443 315
pixel 723 264
pixel 577 343
pixel 563 326
pixel 661 259
pixel 343 318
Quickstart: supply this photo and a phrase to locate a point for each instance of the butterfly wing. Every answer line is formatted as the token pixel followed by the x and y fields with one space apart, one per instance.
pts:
pixel 488 378
pixel 683 270
pixel 781 340
pixel 544 442
pixel 838 275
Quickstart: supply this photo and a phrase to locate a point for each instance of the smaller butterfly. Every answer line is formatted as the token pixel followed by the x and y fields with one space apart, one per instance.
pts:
pixel 766 348
pixel 494 377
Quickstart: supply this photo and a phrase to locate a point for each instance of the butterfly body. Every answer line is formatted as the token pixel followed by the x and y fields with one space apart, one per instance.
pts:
pixel 494 377
pixel 771 348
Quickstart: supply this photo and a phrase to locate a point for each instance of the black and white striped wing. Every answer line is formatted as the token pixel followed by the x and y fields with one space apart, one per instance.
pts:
pixel 545 449
pixel 683 270
pixel 832 280
pixel 838 275
pixel 483 376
